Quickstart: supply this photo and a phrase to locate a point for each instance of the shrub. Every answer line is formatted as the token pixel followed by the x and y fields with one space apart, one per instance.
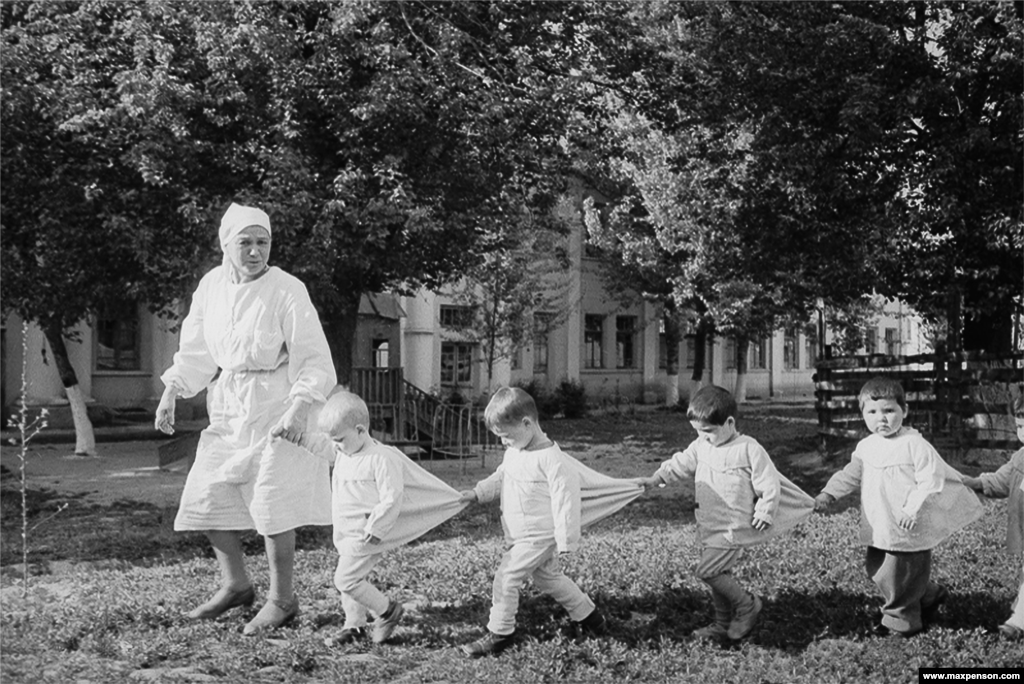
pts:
pixel 572 396
pixel 548 403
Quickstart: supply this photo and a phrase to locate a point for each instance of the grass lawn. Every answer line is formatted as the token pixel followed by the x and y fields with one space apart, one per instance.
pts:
pixel 120 618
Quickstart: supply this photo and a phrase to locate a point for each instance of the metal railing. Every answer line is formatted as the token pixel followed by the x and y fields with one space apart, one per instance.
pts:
pixel 404 415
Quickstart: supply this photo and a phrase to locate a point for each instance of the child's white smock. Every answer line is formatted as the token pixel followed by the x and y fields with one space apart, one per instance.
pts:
pixel 905 473
pixel 382 492
pixel 1008 481
pixel 265 339
pixel 734 483
pixel 549 495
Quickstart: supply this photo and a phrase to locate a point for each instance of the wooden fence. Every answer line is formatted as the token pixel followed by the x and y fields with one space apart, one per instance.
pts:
pixel 960 401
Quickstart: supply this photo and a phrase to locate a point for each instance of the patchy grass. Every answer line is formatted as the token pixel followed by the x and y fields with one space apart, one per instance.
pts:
pixel 818 625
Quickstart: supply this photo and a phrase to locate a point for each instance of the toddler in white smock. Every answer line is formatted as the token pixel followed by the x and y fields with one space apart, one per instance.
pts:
pixel 1008 482
pixel 547 497
pixel 911 501
pixel 381 499
pixel 742 500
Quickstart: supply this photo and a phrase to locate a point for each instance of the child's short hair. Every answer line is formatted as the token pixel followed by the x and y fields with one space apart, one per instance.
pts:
pixel 882 388
pixel 343 410
pixel 1017 407
pixel 509 405
pixel 712 405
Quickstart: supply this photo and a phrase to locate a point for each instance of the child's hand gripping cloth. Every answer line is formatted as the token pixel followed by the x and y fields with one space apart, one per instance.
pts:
pixel 393 498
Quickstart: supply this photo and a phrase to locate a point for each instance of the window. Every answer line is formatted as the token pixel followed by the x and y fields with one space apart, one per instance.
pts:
pixel 758 355
pixel 117 338
pixel 593 331
pixel 730 353
pixel 380 353
pixel 516 360
pixel 456 364
pixel 541 326
pixel 790 350
pixel 871 340
pixel 811 345
pixel 457 317
pixel 625 341
pixel 892 344
pixel 691 351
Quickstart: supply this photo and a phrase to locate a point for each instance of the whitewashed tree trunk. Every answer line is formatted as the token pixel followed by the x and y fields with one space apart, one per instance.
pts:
pixel 672 390
pixel 85 438
pixel 740 393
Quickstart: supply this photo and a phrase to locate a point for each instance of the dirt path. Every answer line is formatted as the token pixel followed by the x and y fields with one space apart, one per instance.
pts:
pixel 123 471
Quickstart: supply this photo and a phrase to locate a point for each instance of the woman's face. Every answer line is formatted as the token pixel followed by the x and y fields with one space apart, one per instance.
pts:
pixel 249 252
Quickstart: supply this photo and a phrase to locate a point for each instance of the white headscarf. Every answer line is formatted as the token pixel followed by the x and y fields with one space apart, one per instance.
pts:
pixel 237 218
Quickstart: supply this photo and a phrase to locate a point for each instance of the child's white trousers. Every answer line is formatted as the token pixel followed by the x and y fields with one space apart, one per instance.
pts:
pixel 357 594
pixel 539 561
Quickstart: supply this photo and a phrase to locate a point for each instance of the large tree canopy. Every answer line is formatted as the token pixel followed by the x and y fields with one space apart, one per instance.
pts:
pixel 775 153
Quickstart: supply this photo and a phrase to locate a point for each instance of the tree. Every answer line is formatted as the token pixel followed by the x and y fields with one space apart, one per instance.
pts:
pixel 518 290
pixel 81 228
pixel 380 137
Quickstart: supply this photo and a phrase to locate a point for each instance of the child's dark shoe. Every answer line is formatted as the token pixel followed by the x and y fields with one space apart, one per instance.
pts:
pixel 592 626
pixel 386 623
pixel 744 619
pixel 712 632
pixel 347 636
pixel 931 611
pixel 489 644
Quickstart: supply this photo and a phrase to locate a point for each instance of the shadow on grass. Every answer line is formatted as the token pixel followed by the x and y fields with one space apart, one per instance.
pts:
pixel 790 622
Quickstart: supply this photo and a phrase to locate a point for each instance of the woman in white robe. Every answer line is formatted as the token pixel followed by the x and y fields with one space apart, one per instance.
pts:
pixel 254 340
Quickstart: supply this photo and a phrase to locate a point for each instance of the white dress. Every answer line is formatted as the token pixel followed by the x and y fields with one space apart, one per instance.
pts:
pixel 266 340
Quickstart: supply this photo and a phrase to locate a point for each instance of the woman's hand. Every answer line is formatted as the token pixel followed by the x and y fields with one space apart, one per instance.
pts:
pixel 164 421
pixel 293 423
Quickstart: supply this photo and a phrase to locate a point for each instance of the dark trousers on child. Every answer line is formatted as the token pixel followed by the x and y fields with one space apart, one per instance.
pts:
pixel 904 579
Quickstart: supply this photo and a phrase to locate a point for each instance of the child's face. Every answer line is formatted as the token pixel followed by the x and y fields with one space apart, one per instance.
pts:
pixel 515 435
pixel 350 439
pixel 1020 428
pixel 883 416
pixel 715 435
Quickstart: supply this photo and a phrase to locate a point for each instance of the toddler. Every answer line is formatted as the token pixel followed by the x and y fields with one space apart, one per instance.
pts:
pixel 1008 481
pixel 541 512
pixel 911 501
pixel 741 500
pixel 380 500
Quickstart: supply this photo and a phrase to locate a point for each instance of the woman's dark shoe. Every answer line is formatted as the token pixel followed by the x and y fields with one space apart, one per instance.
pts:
pixel 274 613
pixel 224 600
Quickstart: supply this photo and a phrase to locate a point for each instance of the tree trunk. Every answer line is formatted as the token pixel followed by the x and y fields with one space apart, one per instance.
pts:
pixel 85 438
pixel 341 337
pixel 740 392
pixel 673 336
